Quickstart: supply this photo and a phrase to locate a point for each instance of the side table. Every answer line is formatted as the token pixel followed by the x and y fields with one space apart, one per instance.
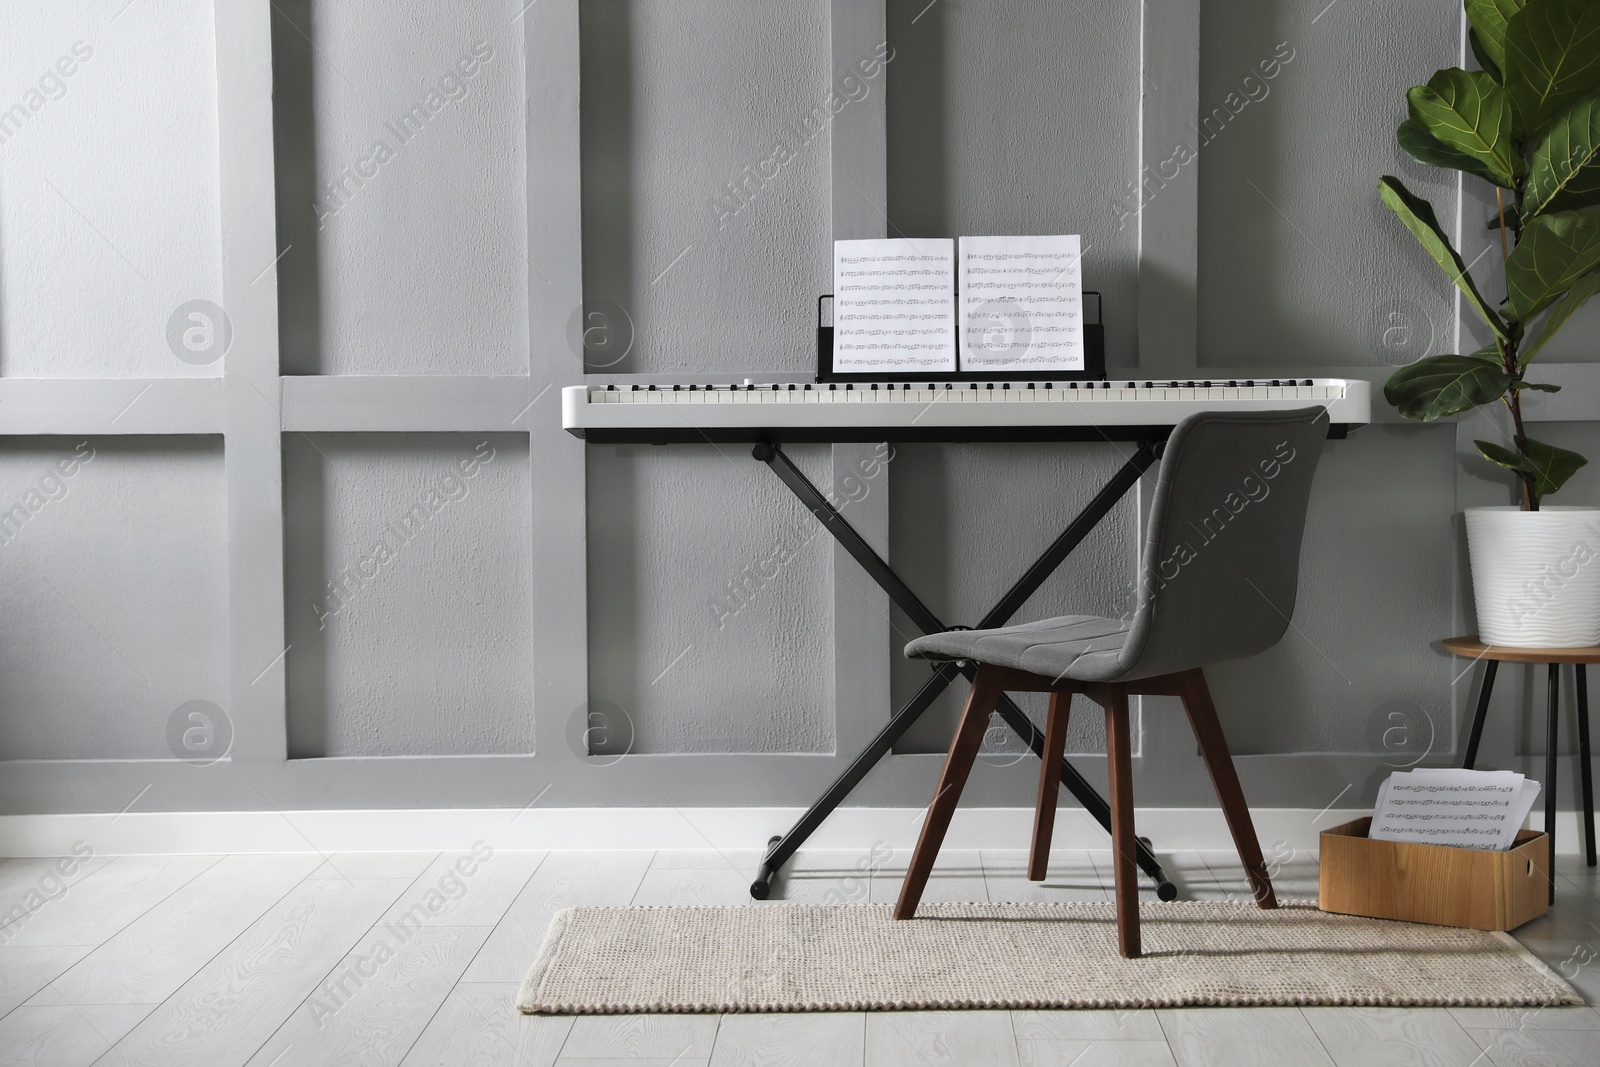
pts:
pixel 1493 656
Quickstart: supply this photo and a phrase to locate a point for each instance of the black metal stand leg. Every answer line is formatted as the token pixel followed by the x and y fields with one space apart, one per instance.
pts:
pixel 1484 690
pixel 1585 768
pixel 780 849
pixel 1554 690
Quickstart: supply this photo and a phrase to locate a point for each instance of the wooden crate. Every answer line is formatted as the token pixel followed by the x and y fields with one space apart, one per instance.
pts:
pixel 1433 883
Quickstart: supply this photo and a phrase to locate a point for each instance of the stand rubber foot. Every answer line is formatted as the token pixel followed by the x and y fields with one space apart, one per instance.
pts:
pixel 761 888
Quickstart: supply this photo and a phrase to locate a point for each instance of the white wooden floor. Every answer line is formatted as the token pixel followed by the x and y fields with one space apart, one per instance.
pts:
pixel 285 960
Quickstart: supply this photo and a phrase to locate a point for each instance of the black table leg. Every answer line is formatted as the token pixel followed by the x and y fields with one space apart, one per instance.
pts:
pixel 1553 688
pixel 780 849
pixel 1489 669
pixel 1585 769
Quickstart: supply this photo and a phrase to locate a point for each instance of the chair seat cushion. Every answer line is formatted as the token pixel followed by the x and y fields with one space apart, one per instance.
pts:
pixel 1084 648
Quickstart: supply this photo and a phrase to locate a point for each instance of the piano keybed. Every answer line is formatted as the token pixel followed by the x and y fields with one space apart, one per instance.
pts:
pixel 937 411
pixel 971 392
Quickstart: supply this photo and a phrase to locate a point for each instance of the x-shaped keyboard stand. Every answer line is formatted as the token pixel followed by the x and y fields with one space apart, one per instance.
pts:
pixel 779 849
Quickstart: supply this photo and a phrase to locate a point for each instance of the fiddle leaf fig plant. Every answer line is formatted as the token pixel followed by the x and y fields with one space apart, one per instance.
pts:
pixel 1528 123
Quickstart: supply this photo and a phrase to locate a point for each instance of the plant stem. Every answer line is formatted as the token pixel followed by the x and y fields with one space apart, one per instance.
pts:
pixel 1500 202
pixel 1530 494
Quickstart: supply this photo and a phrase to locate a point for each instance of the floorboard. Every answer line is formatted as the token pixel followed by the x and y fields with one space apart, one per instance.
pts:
pixel 87 912
pixel 478 1025
pixel 919 1038
pixel 1405 1037
pixel 236 1001
pixel 791 1040
pixel 564 880
pixel 1255 1037
pixel 274 961
pixel 371 1008
pixel 150 958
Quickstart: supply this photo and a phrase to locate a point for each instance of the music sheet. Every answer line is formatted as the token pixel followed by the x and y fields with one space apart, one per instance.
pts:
pixel 894 306
pixel 1446 806
pixel 1021 304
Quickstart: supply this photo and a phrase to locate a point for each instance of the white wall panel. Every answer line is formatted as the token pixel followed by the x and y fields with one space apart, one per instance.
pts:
pixel 402 145
pixel 113 556
pixel 109 217
pixel 421 646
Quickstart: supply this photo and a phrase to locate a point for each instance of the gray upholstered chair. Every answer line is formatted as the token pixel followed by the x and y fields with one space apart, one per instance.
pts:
pixel 1217 582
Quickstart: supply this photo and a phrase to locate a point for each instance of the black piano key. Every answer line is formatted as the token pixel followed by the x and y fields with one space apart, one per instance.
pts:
pixel 636 388
pixel 1149 385
pixel 874 387
pixel 1049 385
pixel 791 387
pixel 611 388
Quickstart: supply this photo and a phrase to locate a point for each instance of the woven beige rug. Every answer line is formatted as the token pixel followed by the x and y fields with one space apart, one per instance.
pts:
pixel 855 957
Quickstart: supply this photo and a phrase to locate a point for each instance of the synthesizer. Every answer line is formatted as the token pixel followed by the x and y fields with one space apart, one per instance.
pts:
pixel 937 411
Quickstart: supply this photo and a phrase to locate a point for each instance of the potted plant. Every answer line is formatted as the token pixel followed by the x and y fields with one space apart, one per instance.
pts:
pixel 1528 123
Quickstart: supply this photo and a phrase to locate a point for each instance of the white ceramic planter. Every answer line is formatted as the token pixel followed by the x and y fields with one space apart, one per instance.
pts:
pixel 1536 575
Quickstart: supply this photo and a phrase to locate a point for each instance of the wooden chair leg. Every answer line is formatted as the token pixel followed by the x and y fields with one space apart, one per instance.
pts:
pixel 957 765
pixel 1044 814
pixel 1214 749
pixel 1124 844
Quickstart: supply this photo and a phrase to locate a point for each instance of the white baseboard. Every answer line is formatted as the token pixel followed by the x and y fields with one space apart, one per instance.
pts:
pixel 724 829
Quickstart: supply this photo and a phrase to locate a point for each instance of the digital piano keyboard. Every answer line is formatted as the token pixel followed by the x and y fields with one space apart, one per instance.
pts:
pixel 943 411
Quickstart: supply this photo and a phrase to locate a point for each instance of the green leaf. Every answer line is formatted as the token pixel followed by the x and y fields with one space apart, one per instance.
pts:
pixel 1437 386
pixel 1581 291
pixel 1469 112
pixel 1421 146
pixel 1552 59
pixel 1418 216
pixel 1543 387
pixel 1549 465
pixel 1555 251
pixel 1485 60
pixel 1565 173
pixel 1488 18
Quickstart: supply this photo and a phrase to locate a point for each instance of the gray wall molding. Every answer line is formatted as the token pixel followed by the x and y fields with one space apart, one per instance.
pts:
pixel 253 405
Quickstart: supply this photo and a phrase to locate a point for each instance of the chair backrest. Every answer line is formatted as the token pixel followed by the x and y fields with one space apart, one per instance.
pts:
pixel 1221 562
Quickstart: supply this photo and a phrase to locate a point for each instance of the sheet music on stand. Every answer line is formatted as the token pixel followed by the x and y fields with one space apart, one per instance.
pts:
pixel 1460 808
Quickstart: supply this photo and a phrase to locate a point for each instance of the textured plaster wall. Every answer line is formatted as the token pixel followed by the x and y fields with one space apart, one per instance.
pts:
pixel 418 648
pixel 696 227
pixel 1301 265
pixel 114 580
pixel 108 185
pixel 679 100
pixel 711 591
pixel 401 191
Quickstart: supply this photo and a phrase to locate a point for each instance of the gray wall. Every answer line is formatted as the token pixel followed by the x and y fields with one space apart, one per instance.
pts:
pixel 429 309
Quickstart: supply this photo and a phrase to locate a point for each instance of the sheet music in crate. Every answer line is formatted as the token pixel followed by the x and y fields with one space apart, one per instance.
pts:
pixel 1446 806
pixel 898 307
